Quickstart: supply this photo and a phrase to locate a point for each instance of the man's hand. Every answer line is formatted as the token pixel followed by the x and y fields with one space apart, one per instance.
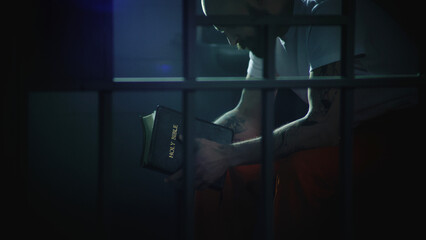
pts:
pixel 211 162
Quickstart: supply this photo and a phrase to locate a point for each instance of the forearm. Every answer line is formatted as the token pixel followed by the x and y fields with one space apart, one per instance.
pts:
pixel 233 120
pixel 290 138
pixel 320 127
pixel 244 118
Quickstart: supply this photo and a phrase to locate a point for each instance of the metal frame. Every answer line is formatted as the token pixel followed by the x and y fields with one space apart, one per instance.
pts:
pixel 347 82
pixel 142 84
pixel 189 37
pixel 347 21
pixel 346 120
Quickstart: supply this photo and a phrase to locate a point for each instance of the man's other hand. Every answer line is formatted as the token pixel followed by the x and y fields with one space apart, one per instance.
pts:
pixel 212 160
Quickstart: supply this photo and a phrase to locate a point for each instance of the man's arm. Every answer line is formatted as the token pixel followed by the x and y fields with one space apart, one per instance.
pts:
pixel 244 119
pixel 320 127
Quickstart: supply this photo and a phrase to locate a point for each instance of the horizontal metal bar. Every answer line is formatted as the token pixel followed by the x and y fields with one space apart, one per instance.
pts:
pixel 231 79
pixel 404 81
pixel 148 79
pixel 339 82
pixel 271 20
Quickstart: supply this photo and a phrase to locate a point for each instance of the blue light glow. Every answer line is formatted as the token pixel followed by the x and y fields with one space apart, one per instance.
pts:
pixel 164 68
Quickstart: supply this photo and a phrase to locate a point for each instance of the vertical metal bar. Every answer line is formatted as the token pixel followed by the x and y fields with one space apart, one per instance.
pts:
pixel 188 120
pixel 346 119
pixel 189 38
pixel 105 122
pixel 22 148
pixel 267 137
pixel 104 154
pixel 348 39
pixel 267 164
pixel 346 163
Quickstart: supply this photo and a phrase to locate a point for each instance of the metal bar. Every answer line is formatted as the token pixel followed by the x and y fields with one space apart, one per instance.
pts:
pixel 188 119
pixel 267 164
pixel 366 82
pixel 271 20
pixel 21 129
pixel 104 153
pixel 346 120
pixel 346 163
pixel 269 59
pixel 267 137
pixel 189 135
pixel 348 40
pixel 374 78
pixel 189 37
pixel 396 82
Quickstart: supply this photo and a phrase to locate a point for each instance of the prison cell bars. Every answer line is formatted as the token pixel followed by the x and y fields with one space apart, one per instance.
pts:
pixel 202 84
pixel 346 119
pixel 347 47
pixel 267 223
pixel 189 37
pixel 347 82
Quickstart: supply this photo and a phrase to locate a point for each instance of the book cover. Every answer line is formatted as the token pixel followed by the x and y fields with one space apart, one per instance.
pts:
pixel 163 152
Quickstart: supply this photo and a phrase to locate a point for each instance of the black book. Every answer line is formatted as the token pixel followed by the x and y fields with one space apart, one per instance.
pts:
pixel 163 152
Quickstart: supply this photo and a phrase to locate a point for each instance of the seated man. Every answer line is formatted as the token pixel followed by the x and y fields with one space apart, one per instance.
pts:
pixel 306 154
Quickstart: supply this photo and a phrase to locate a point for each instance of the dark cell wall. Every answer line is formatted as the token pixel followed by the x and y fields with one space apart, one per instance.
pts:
pixel 63 168
pixel 140 201
pixel 137 199
pixel 50 121
pixel 147 38
pixel 148 42
pixel 62 161
pixel 63 165
pixel 52 134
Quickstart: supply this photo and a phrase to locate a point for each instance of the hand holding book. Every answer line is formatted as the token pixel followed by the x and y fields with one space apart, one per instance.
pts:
pixel 163 151
pixel 211 163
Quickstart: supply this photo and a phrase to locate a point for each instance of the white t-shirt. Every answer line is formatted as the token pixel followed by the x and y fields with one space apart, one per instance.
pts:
pixel 381 47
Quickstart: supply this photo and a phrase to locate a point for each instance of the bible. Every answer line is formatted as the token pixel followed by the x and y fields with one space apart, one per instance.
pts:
pixel 162 150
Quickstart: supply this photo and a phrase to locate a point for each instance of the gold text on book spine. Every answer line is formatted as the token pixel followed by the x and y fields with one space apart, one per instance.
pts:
pixel 172 142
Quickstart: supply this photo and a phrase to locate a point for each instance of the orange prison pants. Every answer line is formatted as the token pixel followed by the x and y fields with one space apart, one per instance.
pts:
pixel 387 175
